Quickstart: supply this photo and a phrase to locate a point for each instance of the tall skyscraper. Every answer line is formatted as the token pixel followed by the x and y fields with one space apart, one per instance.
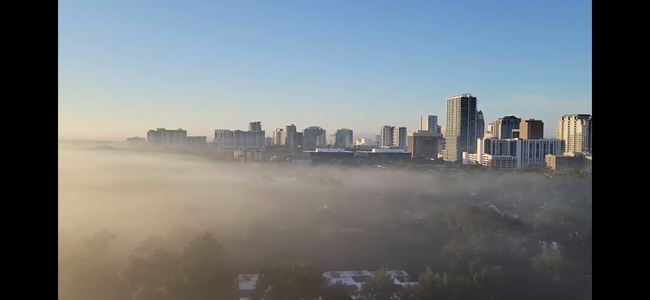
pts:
pixel 429 124
pixel 460 131
pixel 386 136
pixel 531 129
pixel 343 138
pixel 503 127
pixel 399 137
pixel 313 137
pixel 575 130
pixel 480 125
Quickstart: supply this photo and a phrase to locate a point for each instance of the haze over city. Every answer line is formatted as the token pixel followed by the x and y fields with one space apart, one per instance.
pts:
pixel 325 150
pixel 126 67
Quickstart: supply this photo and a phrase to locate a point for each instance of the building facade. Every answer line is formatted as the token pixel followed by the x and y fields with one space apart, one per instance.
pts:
pixel 386 136
pixel 460 131
pixel 399 137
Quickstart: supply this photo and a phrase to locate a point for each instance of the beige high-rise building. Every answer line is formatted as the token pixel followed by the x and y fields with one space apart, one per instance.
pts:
pixel 531 129
pixel 575 130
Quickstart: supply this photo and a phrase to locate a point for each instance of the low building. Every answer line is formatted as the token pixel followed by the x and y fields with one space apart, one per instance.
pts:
pixel 248 155
pixel 489 160
pixel 136 141
pixel 247 285
pixel 324 155
pixel 353 279
pixel 563 162
pixel 422 144
pixel 523 152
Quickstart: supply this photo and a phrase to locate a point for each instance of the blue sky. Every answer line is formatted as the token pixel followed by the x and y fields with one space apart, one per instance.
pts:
pixel 128 66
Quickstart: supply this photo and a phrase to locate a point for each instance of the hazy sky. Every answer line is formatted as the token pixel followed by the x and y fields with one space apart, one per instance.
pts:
pixel 128 66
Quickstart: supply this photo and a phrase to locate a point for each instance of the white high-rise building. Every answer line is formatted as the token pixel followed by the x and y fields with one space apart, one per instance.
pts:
pixel 429 124
pixel 533 152
pixel 513 153
pixel 575 131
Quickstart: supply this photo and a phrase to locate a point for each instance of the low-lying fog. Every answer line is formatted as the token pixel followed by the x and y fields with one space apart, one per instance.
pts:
pixel 262 216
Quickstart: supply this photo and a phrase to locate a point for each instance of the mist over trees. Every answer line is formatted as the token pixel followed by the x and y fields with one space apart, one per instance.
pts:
pixel 161 227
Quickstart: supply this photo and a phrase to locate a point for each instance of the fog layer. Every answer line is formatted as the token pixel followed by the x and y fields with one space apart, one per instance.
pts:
pixel 334 218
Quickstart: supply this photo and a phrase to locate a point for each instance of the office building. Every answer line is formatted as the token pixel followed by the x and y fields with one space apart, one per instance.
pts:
pixel 429 124
pixel 531 129
pixel 313 137
pixel 460 131
pixel 399 137
pixel 386 136
pixel 343 138
pixel 503 127
pixel 575 130
pixel 480 125
pixel 167 138
pixel 268 141
pixel 422 144
pixel 279 137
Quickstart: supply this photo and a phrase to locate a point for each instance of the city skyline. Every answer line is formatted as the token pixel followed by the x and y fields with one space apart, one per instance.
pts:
pixel 125 68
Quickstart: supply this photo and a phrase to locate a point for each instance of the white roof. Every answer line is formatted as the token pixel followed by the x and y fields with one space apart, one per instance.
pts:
pixel 247 281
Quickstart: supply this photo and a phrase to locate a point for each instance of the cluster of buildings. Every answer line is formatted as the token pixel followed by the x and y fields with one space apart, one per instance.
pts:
pixel 511 142
pixel 352 279
pixel 508 142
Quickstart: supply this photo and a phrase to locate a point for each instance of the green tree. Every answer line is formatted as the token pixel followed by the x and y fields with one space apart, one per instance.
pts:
pixel 289 281
pixel 201 271
pixel 337 291
pixel 381 286
pixel 87 269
